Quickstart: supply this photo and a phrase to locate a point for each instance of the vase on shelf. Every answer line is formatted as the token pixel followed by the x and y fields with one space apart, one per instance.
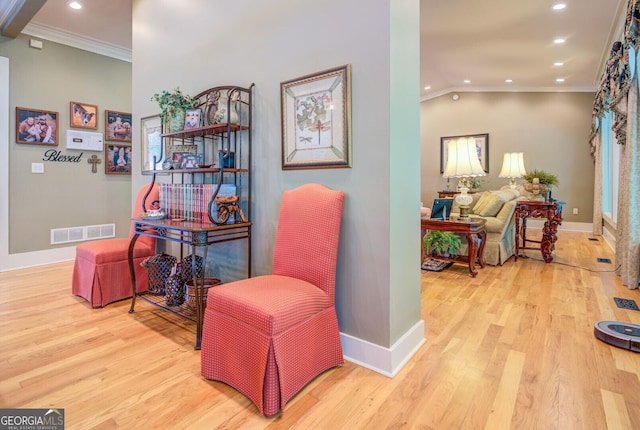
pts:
pixel 221 115
pixel 176 121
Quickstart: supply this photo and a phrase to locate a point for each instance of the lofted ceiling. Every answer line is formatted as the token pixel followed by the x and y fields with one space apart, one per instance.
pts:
pixel 485 41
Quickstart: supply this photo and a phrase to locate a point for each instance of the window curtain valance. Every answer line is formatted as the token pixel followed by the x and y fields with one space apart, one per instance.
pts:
pixel 613 88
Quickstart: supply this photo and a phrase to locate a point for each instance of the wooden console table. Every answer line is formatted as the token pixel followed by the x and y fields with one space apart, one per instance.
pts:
pixel 476 234
pixel 552 211
pixel 450 193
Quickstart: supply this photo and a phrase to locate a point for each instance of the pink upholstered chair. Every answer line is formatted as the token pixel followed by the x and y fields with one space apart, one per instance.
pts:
pixel 101 270
pixel 268 336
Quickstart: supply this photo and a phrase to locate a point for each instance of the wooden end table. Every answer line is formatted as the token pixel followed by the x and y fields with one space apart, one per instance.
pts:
pixel 474 230
pixel 552 211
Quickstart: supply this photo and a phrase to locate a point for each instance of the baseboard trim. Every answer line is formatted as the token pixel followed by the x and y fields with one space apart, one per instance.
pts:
pixel 609 239
pixel 387 361
pixel 36 258
pixel 538 223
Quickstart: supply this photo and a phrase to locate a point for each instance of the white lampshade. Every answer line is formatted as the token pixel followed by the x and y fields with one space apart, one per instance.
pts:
pixel 462 159
pixel 512 167
pixel 463 162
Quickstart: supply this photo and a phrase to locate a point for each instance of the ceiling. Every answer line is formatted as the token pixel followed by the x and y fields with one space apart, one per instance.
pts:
pixel 485 41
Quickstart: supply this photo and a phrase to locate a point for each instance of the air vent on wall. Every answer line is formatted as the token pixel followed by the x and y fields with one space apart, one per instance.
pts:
pixel 78 234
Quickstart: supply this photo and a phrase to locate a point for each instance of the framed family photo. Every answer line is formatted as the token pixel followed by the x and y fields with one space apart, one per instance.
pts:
pixel 192 118
pixel 118 125
pixel 189 161
pixel 36 126
pixel 316 120
pixel 482 146
pixel 117 159
pixel 83 115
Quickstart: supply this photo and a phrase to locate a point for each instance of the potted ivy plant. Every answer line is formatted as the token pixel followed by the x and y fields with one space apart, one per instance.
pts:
pixel 173 105
pixel 540 189
pixel 441 243
pixel 545 178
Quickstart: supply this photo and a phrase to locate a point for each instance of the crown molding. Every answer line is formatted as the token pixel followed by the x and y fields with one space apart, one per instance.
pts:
pixel 556 89
pixel 75 40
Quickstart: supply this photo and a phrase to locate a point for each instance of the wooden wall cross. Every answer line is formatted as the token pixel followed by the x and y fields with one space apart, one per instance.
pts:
pixel 94 160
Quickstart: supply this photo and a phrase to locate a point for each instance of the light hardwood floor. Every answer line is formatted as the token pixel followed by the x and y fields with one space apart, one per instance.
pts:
pixel 511 349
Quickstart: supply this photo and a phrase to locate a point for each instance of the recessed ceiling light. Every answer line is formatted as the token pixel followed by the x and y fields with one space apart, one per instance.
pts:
pixel 558 41
pixel 467 81
pixel 427 88
pixel 559 6
pixel 508 81
pixel 75 5
pixel 558 64
pixel 560 80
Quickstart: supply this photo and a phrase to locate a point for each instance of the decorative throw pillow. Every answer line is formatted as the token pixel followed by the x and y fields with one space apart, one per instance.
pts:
pixel 492 206
pixel 481 203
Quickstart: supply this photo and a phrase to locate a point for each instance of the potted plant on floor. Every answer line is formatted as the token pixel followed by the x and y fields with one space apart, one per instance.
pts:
pixel 441 243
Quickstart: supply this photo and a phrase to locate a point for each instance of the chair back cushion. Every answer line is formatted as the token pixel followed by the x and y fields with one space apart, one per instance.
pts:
pixel 154 195
pixel 308 233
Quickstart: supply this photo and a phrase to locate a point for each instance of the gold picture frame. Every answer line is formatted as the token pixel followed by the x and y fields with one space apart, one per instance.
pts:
pixel 316 120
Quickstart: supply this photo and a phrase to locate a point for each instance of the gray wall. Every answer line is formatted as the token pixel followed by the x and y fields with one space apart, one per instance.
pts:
pixel 551 129
pixel 67 194
pixel 240 42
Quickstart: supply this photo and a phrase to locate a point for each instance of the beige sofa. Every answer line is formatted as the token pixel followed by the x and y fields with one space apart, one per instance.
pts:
pixel 497 208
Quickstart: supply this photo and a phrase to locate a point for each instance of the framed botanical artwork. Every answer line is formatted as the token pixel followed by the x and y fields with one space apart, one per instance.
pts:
pixel 117 159
pixel 151 138
pixel 83 115
pixel 36 126
pixel 316 120
pixel 118 125
pixel 482 146
pixel 192 118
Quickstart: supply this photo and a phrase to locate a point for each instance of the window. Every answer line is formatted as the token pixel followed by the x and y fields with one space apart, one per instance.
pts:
pixel 610 169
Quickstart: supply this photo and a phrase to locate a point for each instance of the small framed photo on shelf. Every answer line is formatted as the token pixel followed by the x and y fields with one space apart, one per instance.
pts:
pixel 118 159
pixel 182 149
pixel 36 126
pixel 177 157
pixel 118 125
pixel 83 115
pixel 192 118
pixel 189 161
pixel 316 120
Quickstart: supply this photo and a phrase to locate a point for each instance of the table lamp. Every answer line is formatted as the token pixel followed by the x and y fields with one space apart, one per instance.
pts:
pixel 512 167
pixel 463 162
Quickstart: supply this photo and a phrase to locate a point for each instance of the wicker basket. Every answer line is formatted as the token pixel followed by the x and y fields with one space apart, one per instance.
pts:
pixel 159 267
pixel 191 293
pixel 174 290
pixel 185 267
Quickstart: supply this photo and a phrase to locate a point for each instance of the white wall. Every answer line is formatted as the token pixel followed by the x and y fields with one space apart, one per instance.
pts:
pixel 218 42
